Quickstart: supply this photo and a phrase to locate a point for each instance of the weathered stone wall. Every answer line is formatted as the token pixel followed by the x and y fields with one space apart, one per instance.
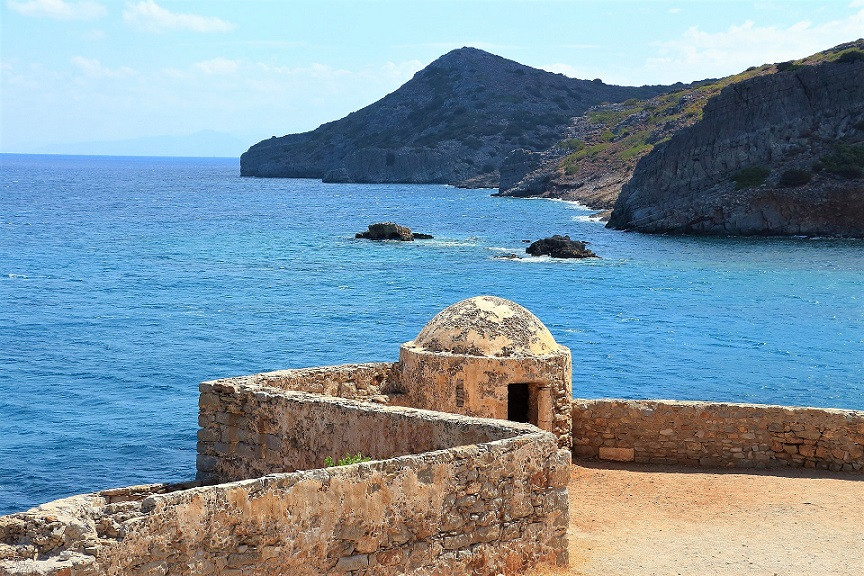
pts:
pixel 711 434
pixel 477 385
pixel 370 381
pixel 489 508
pixel 249 431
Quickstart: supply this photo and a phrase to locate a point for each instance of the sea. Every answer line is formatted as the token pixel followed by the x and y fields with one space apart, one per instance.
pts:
pixel 124 282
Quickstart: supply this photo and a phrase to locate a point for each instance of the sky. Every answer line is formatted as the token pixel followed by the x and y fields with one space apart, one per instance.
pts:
pixel 196 77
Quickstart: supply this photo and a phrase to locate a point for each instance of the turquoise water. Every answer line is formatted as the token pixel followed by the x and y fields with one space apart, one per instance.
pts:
pixel 126 281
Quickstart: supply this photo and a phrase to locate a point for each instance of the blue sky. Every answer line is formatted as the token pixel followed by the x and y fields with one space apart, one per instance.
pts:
pixel 98 70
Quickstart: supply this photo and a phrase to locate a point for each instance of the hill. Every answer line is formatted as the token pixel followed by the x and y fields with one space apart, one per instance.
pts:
pixel 776 154
pixel 599 150
pixel 453 122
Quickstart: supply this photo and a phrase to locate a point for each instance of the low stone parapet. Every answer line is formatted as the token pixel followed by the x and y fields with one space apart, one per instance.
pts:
pixel 718 434
pixel 367 381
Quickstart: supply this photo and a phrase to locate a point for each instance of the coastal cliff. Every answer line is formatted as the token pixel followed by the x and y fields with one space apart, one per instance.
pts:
pixel 598 151
pixel 453 122
pixel 777 154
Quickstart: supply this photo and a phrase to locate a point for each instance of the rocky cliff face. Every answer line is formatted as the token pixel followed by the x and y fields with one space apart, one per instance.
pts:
pixel 776 154
pixel 452 123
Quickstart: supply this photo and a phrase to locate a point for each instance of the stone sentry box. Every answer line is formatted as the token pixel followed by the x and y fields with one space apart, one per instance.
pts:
pixel 489 357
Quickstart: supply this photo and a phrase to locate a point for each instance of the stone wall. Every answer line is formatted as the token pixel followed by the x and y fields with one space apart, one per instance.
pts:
pixel 249 431
pixel 370 381
pixel 497 506
pixel 711 434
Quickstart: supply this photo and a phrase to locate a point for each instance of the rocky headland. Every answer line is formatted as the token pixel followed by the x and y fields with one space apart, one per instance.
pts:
pixel 780 154
pixel 600 150
pixel 776 149
pixel 452 123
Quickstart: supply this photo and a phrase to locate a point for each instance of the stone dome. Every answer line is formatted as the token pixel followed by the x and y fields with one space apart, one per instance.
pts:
pixel 487 326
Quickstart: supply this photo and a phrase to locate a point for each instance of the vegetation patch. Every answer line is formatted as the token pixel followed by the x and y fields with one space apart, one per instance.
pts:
pixel 795 177
pixel 346 460
pixel 847 161
pixel 574 144
pixel 750 177
pixel 788 66
pixel 850 56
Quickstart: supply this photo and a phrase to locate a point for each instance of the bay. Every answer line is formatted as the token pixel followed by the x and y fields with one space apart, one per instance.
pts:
pixel 126 281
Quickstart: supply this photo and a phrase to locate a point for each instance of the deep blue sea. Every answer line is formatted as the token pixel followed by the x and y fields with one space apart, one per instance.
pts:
pixel 124 282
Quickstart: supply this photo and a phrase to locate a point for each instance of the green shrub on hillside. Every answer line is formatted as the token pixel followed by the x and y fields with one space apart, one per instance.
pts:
pixel 750 177
pixel 572 144
pixel 850 56
pixel 788 66
pixel 795 177
pixel 847 160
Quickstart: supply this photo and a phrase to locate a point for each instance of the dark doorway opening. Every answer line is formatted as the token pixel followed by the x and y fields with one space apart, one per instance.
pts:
pixel 518 402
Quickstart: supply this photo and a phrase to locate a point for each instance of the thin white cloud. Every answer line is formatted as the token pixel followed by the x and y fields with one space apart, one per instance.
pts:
pixel 857 4
pixel 92 68
pixel 149 16
pixel 218 66
pixel 700 54
pixel 58 9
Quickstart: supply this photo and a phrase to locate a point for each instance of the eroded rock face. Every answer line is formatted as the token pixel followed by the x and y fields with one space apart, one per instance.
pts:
pixel 772 126
pixel 558 246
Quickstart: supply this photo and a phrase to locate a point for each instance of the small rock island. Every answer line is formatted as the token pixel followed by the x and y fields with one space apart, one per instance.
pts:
pixel 558 246
pixel 391 231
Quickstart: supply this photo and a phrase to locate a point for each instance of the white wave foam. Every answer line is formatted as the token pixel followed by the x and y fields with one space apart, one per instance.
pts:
pixel 448 243
pixel 587 218
pixel 573 204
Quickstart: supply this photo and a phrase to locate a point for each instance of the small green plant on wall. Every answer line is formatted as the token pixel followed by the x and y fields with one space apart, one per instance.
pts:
pixel 346 460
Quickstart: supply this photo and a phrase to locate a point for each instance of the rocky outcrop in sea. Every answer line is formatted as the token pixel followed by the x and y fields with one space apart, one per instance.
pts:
pixel 391 231
pixel 781 154
pixel 558 246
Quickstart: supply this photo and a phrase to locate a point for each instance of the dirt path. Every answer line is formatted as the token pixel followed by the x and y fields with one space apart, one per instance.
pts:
pixel 652 520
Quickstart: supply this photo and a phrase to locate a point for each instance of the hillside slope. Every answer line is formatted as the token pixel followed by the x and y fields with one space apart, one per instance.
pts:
pixel 599 150
pixel 453 122
pixel 777 154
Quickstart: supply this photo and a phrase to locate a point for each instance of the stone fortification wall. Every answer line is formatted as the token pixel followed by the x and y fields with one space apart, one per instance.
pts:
pixel 711 434
pixel 370 381
pixel 489 508
pixel 248 431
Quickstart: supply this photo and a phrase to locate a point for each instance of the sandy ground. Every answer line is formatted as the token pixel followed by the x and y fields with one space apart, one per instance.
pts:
pixel 655 520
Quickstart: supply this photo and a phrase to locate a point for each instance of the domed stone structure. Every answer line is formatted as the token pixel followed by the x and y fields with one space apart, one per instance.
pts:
pixel 489 357
pixel 487 326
